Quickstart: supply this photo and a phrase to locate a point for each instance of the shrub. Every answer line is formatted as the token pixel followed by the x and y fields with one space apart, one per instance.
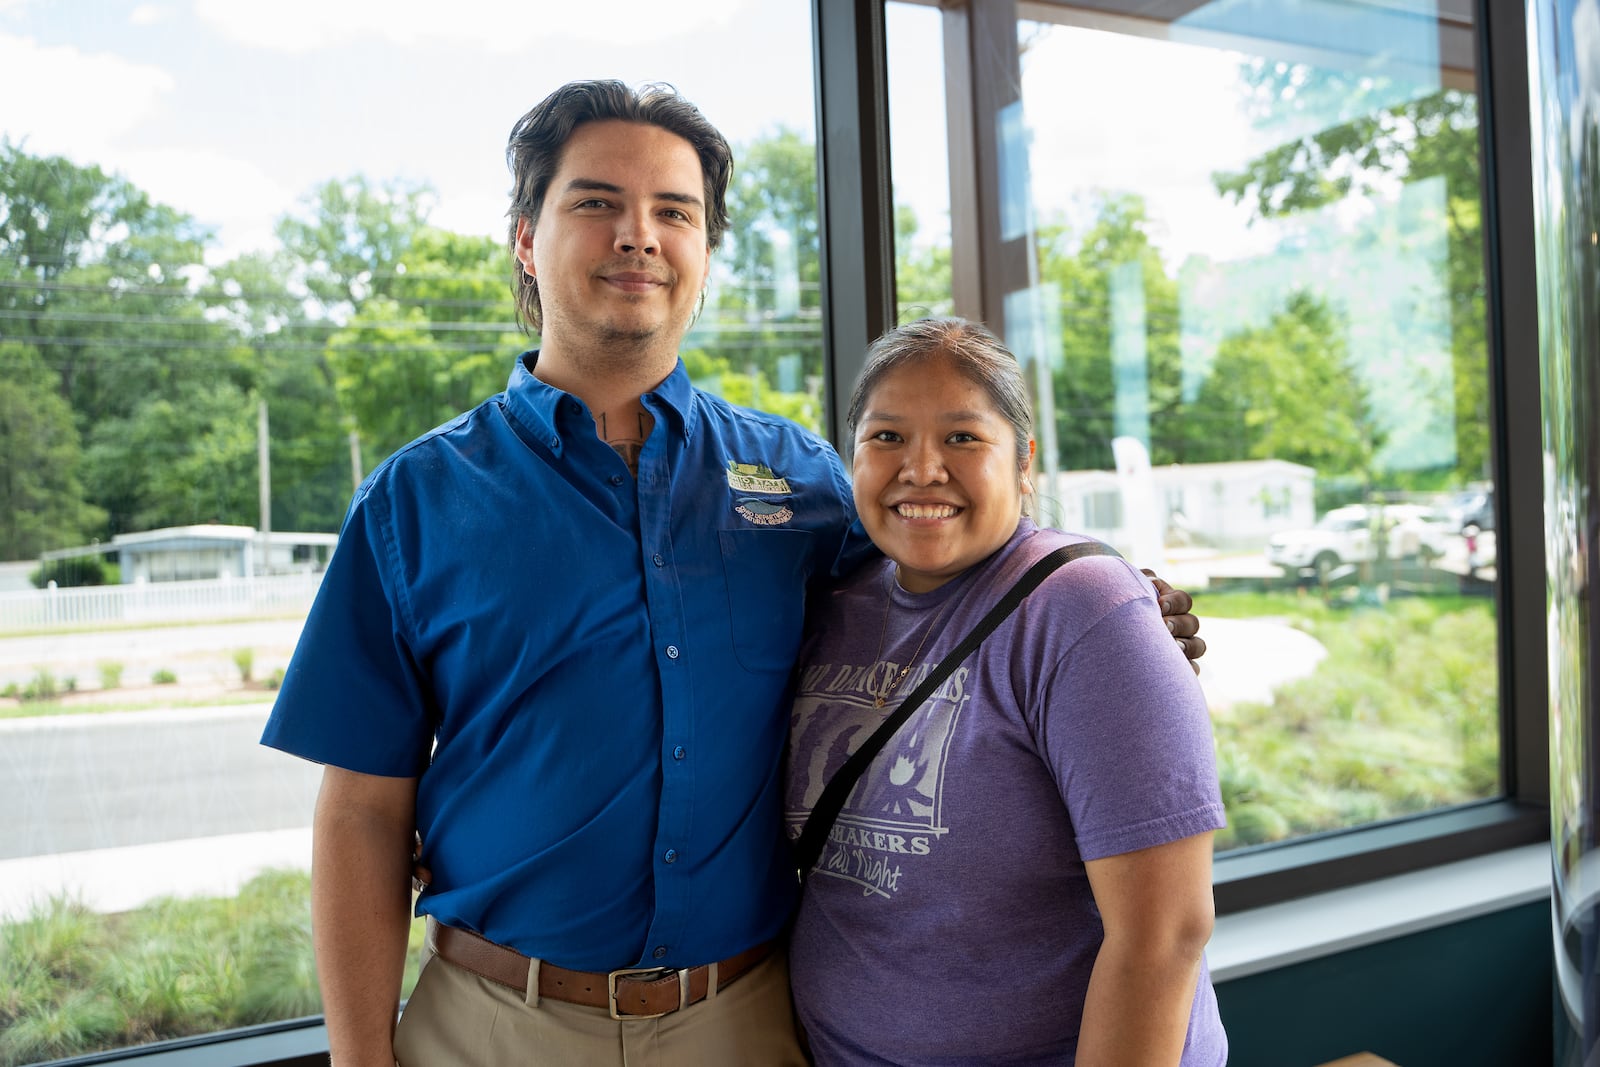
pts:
pixel 164 677
pixel 245 660
pixel 68 573
pixel 110 674
pixel 43 686
pixel 275 679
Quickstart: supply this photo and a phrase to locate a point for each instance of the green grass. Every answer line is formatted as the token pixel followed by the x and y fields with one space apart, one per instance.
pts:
pixel 1401 717
pixel 73 982
pixel 129 702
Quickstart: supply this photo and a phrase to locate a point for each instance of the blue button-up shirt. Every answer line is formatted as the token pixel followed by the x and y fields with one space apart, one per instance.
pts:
pixel 586 670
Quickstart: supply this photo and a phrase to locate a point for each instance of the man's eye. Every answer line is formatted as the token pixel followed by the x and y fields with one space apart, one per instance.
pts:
pixel 674 213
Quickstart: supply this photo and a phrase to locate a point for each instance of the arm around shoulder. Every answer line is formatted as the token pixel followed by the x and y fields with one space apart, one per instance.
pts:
pixel 361 908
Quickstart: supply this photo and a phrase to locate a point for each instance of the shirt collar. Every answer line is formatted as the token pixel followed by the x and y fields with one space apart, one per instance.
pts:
pixel 538 406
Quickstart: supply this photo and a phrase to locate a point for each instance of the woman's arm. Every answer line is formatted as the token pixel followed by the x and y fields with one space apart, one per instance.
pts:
pixel 1157 909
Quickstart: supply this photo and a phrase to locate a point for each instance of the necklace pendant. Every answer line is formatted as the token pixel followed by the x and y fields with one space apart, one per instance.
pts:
pixel 878 703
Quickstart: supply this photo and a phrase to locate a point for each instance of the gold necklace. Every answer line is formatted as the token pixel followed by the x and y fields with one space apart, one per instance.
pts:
pixel 883 633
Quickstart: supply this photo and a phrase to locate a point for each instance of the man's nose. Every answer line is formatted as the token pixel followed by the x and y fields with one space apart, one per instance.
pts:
pixel 636 233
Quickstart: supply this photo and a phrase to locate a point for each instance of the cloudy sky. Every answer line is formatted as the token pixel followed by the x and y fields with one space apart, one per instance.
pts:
pixel 232 111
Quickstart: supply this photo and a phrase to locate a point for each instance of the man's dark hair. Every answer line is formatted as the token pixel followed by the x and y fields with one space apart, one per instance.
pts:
pixel 534 149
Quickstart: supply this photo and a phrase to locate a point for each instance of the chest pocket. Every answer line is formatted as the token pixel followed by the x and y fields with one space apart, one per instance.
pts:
pixel 766 573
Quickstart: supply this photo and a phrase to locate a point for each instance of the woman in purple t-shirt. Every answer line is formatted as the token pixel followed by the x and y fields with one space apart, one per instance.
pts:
pixel 1023 874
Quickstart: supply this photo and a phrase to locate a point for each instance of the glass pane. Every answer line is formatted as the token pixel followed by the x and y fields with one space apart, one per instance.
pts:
pixel 1257 300
pixel 246 251
pixel 917 149
pixel 1566 169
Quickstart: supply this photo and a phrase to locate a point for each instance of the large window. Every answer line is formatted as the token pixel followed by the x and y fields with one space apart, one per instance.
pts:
pixel 246 251
pixel 1241 252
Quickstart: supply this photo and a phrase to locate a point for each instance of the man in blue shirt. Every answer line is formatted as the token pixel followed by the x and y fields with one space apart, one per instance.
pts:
pixel 554 640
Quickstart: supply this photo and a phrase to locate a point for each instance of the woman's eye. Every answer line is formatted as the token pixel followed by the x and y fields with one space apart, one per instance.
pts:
pixel 886 435
pixel 961 437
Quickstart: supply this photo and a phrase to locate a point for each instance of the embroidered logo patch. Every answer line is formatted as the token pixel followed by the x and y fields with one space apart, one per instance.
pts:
pixel 756 478
pixel 763 512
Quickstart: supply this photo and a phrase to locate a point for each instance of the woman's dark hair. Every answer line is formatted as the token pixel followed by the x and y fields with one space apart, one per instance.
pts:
pixel 534 149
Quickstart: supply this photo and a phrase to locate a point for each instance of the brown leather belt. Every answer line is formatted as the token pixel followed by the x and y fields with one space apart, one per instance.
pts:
pixel 631 993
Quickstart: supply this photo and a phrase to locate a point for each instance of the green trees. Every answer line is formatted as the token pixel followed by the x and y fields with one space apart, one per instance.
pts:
pixel 134 370
pixel 1286 391
pixel 1384 135
pixel 42 503
pixel 135 358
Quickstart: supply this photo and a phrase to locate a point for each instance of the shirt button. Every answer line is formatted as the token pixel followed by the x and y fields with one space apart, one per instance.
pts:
pixel 671 855
pixel 679 753
pixel 657 560
pixel 616 479
pixel 672 651
pixel 660 952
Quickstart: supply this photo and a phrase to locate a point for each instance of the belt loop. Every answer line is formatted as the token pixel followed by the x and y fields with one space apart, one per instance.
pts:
pixel 531 997
pixel 711 980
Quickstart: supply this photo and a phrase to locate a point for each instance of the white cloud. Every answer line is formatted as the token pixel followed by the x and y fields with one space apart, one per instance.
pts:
pixel 150 14
pixel 501 27
pixel 233 196
pixel 69 102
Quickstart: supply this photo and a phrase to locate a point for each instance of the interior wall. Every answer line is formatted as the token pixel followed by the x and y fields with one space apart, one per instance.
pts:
pixel 1477 993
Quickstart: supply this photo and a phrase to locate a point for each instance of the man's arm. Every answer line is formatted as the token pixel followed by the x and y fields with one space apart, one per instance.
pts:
pixel 1157 909
pixel 1177 609
pixel 361 845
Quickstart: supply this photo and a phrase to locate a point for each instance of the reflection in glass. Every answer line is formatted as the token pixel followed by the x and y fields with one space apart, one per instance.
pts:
pixel 1564 38
pixel 1256 252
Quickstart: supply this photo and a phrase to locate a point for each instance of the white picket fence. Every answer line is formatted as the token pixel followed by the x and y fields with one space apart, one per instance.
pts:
pixel 215 598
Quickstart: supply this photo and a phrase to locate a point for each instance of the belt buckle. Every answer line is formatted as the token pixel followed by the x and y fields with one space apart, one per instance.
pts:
pixel 660 972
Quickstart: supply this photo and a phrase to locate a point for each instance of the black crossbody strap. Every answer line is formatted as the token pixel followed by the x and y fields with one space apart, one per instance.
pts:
pixel 809 847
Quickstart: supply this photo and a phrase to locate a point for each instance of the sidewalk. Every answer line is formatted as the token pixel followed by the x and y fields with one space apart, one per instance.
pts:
pixel 120 879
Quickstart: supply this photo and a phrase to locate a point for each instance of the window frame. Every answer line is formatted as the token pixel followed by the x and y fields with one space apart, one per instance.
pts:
pixel 858 299
pixel 982 76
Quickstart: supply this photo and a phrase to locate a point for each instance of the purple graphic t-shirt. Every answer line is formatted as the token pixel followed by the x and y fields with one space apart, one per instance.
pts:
pixel 949 919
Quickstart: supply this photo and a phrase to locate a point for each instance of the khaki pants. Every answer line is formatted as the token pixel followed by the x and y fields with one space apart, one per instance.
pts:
pixel 456 1019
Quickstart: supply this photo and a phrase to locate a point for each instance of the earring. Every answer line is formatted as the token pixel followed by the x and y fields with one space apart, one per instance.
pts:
pixel 528 279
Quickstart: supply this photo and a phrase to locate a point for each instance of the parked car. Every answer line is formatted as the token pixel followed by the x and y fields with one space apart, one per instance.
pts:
pixel 1346 535
pixel 1472 509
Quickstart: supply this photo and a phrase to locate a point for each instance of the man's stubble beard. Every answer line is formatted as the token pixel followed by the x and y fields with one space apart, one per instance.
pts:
pixel 612 348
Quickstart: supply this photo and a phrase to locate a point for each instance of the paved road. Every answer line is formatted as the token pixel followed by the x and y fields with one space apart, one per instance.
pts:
pixel 76 782
pixel 116 808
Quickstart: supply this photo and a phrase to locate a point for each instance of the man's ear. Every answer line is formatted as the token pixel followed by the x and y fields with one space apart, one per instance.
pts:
pixel 524 246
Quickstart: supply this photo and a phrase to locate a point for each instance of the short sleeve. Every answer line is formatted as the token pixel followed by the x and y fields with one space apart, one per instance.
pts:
pixel 352 695
pixel 1125 729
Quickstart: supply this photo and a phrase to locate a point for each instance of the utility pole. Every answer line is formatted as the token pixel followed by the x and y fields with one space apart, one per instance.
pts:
pixel 264 483
pixel 355 461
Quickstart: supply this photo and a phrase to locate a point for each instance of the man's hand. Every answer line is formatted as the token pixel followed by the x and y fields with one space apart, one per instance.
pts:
pixel 1177 608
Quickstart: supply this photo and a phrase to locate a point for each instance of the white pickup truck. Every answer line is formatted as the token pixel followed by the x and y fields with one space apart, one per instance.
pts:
pixel 1345 535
